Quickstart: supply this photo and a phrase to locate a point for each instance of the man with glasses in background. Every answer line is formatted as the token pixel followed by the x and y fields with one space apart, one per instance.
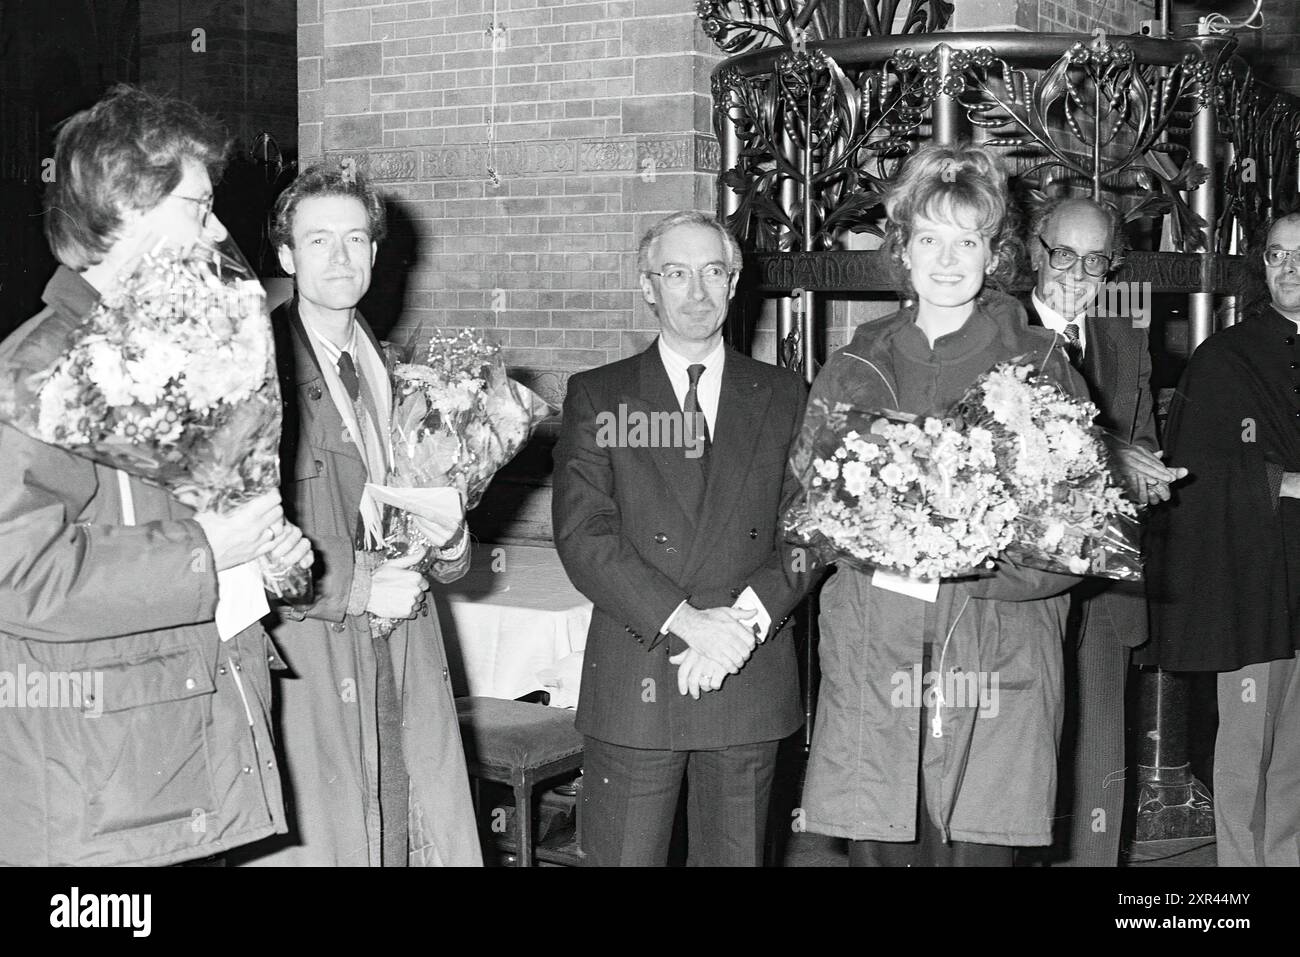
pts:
pixel 690 670
pixel 1075 244
pixel 1224 571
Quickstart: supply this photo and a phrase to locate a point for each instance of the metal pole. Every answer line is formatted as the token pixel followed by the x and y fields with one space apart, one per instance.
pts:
pixel 728 154
pixel 1171 802
pixel 944 116
pixel 786 332
pixel 1204 203
pixel 728 200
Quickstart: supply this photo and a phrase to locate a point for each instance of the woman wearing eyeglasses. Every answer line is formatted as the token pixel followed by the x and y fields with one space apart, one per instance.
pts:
pixel 949 779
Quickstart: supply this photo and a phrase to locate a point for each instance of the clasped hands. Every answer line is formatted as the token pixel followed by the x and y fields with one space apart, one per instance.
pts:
pixel 720 641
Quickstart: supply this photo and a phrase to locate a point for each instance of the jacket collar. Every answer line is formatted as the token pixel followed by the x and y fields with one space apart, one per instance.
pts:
pixel 69 293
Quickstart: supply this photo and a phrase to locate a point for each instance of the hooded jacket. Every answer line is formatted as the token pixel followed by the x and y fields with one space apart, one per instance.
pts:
pixel 167 756
pixel 993 686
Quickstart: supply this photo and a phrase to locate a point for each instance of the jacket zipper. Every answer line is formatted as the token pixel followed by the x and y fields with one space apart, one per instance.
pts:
pixel 879 373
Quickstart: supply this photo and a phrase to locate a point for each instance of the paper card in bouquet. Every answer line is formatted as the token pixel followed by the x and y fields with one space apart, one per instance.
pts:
pixel 458 418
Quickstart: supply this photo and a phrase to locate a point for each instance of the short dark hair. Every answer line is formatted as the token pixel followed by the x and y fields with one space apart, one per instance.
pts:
pixel 327 180
pixel 127 152
pixel 1042 214
pixel 687 217
pixel 939 181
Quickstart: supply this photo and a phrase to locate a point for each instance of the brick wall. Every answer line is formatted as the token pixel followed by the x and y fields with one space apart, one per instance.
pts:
pixel 237 68
pixel 602 123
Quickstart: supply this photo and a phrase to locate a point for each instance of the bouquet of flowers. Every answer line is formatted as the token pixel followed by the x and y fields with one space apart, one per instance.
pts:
pixel 892 491
pixel 1016 470
pixel 457 419
pixel 171 378
pixel 1072 515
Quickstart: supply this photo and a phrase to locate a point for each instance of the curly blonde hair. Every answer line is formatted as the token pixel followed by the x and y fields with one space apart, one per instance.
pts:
pixel 960 184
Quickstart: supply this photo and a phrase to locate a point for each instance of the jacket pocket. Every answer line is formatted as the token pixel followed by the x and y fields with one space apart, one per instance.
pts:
pixel 146 754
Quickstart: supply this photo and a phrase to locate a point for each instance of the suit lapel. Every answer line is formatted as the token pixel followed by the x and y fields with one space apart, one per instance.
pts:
pixel 324 421
pixel 1112 382
pixel 683 475
pixel 742 407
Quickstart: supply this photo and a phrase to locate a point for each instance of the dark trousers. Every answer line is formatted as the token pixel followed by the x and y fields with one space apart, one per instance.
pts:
pixel 1090 802
pixel 629 801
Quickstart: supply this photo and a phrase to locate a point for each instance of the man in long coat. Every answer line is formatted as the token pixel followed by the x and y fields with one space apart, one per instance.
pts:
pixel 1224 574
pixel 368 725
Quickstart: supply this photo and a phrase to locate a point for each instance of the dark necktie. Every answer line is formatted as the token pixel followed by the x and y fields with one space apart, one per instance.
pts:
pixel 1073 347
pixel 694 415
pixel 348 373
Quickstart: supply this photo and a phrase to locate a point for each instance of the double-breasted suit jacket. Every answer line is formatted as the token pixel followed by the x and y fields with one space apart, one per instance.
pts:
pixel 640 529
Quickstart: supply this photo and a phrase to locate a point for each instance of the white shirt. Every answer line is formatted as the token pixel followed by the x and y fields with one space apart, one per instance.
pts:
pixel 1053 320
pixel 708 390
pixel 709 393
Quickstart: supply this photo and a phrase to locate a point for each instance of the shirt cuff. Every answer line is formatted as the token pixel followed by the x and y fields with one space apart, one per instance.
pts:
pixel 749 599
pixel 668 625
pixel 457 548
pixel 363 568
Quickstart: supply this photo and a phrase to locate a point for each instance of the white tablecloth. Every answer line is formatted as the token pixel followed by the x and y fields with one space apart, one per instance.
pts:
pixel 512 623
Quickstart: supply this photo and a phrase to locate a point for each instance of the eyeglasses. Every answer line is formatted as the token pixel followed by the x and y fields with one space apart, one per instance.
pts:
pixel 204 205
pixel 1094 264
pixel 1276 256
pixel 678 277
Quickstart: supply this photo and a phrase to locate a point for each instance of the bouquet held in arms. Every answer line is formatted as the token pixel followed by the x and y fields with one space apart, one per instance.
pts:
pixel 1073 516
pixel 892 491
pixel 457 419
pixel 170 378
pixel 1014 471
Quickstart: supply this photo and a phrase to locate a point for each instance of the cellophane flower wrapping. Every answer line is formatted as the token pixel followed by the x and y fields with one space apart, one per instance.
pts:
pixel 1072 515
pixel 458 418
pixel 913 495
pixel 170 378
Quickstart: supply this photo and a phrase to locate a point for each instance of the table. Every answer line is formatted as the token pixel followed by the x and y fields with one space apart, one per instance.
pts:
pixel 514 624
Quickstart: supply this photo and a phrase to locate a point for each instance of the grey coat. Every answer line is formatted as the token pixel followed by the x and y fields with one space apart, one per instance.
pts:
pixel 991 768
pixel 326 715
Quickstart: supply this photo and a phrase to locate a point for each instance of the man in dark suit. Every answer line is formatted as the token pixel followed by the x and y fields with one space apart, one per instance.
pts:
pixel 1075 245
pixel 670 479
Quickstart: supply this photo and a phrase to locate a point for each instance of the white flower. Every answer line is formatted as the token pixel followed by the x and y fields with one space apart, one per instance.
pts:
pixel 826 469
pixel 892 475
pixel 857 478
pixel 108 372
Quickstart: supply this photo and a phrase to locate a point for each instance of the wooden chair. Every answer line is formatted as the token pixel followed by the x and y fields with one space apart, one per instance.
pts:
pixel 520 745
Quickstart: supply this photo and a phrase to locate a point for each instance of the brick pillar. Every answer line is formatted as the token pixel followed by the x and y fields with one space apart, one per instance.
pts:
pixel 602 122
